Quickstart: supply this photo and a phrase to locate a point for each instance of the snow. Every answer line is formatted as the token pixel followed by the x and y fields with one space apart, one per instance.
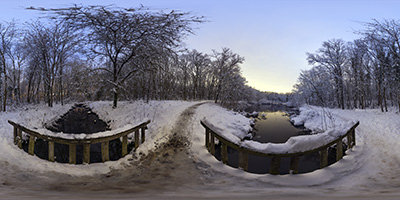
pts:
pixel 235 127
pixel 127 115
pixel 368 171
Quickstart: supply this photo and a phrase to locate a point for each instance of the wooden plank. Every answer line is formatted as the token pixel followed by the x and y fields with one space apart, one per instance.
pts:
pixel 324 158
pixel 353 134
pixel 275 165
pixel 243 161
pixel 339 150
pixel 19 138
pixel 86 153
pixel 15 135
pixel 51 151
pixel 294 165
pixel 136 139
pixel 105 151
pixel 224 153
pixel 256 153
pixel 31 148
pixel 143 134
pixel 72 154
pixel 349 141
pixel 207 139
pixel 124 145
pixel 212 144
pixel 78 141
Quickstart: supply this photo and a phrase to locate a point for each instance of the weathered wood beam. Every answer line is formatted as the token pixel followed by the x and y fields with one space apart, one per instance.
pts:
pixel 136 139
pixel 51 151
pixel 105 151
pixel 31 148
pixel 86 153
pixel 339 150
pixel 324 157
pixel 243 161
pixel 275 165
pixel 72 154
pixel 294 165
pixel 124 145
pixel 224 153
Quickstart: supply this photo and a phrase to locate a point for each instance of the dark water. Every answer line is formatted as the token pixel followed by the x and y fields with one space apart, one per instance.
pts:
pixel 273 125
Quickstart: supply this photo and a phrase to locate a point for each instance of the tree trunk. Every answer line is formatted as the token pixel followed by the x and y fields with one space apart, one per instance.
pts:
pixel 380 102
pixel 384 98
pixel 115 100
pixel 29 90
pixel 5 87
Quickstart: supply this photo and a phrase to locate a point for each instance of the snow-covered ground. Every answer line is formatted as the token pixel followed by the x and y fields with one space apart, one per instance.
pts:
pixel 369 170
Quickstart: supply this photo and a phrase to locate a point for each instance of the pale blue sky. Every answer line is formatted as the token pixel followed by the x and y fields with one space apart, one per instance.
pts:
pixel 272 35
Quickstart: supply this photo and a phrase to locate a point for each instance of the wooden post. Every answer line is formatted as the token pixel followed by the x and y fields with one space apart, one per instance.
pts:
pixel 294 165
pixel 207 139
pixel 19 138
pixel 86 153
pixel 124 145
pixel 243 161
pixel 143 134
pixel 339 150
pixel 275 165
pixel 324 158
pixel 349 141
pixel 212 144
pixel 224 153
pixel 31 149
pixel 51 151
pixel 136 139
pixel 353 135
pixel 15 135
pixel 72 153
pixel 104 151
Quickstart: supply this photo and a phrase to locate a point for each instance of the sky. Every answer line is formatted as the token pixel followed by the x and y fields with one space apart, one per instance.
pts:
pixel 272 35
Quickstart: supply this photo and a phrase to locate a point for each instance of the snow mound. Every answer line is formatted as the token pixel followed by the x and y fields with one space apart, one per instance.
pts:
pixel 296 144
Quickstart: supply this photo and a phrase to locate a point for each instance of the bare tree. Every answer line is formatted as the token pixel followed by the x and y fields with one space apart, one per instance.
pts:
pixel 384 42
pixel 7 40
pixel 116 34
pixel 53 46
pixel 226 69
pixel 333 56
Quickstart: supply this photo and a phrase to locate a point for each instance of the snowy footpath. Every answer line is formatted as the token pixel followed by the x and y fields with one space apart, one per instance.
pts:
pixel 174 164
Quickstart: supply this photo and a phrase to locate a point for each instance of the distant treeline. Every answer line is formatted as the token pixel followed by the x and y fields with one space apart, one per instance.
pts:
pixel 109 53
pixel 364 73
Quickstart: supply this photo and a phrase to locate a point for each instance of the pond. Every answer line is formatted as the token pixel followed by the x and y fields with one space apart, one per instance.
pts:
pixel 272 124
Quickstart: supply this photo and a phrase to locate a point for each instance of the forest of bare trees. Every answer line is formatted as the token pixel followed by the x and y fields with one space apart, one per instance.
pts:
pixel 364 73
pixel 108 53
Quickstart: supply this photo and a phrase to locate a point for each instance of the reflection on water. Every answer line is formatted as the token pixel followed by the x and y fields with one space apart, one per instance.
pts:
pixel 273 125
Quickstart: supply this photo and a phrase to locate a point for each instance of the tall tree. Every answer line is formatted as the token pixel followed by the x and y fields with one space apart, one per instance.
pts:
pixel 385 34
pixel 117 34
pixel 53 46
pixel 226 67
pixel 332 55
pixel 8 33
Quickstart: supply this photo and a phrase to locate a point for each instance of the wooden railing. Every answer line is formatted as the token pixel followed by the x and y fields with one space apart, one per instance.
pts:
pixel 275 158
pixel 33 135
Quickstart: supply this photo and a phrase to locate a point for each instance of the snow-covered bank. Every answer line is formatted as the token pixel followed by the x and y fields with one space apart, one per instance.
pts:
pixel 127 114
pixel 369 170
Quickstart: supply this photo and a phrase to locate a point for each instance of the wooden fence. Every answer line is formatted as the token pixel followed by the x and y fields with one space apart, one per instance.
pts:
pixel 275 158
pixel 33 135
